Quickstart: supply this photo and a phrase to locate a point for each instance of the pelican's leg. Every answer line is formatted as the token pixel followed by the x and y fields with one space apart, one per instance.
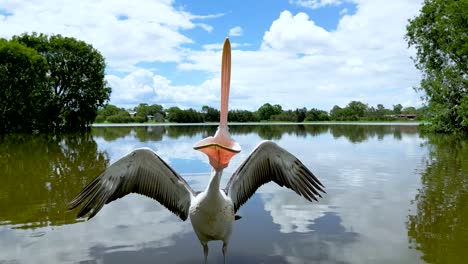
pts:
pixel 224 251
pixel 205 251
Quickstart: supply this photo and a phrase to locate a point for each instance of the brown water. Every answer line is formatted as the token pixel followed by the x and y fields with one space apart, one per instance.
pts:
pixel 393 196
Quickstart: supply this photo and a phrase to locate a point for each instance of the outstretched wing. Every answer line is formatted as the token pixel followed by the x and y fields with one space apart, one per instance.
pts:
pixel 269 162
pixel 143 172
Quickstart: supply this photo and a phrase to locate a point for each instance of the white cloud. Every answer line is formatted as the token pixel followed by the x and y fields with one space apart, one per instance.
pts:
pixel 344 11
pixel 151 32
pixel 235 31
pixel 296 33
pixel 218 15
pixel 292 212
pixel 299 63
pixel 206 27
pixel 315 4
pixel 213 46
pixel 143 85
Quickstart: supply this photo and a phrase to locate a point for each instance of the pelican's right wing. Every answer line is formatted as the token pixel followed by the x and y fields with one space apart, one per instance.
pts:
pixel 269 162
pixel 143 172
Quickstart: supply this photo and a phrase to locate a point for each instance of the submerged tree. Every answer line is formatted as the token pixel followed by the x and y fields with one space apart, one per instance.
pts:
pixel 23 88
pixel 440 37
pixel 74 80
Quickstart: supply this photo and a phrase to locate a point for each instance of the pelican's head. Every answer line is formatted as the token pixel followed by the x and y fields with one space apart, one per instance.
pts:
pixel 221 148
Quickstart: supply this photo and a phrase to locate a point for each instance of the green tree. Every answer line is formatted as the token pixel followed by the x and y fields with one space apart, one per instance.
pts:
pixel 463 111
pixel 175 114
pixel 439 34
pixel 145 110
pixel 337 113
pixel 422 113
pixel 120 117
pixel 397 109
pixel 23 89
pixel 156 109
pixel 409 110
pixel 113 114
pixel 267 110
pixel 242 116
pixel 300 114
pixel 317 115
pixel 75 77
pixel 192 116
pixel 377 114
pixel 106 111
pixel 380 112
pixel 289 116
pixel 381 109
pixel 211 114
pixel 356 110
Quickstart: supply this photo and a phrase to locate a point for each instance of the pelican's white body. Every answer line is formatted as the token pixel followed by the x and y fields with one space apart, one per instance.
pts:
pixel 212 217
pixel 212 213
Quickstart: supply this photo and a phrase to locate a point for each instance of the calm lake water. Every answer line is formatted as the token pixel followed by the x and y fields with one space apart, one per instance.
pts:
pixel 393 196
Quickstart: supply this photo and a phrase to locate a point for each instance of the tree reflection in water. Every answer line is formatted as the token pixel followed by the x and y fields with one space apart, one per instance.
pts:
pixel 112 133
pixel 156 133
pixel 361 133
pixel 40 175
pixel 439 227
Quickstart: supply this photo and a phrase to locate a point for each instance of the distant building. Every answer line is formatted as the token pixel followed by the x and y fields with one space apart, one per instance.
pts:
pixel 409 116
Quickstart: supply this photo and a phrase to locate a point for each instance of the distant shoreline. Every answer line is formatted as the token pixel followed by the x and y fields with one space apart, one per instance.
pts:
pixel 364 123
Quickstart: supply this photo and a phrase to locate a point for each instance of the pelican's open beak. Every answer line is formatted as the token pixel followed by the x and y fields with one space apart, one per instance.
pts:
pixel 221 148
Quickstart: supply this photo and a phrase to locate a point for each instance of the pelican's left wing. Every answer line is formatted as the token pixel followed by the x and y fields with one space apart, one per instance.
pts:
pixel 269 162
pixel 141 171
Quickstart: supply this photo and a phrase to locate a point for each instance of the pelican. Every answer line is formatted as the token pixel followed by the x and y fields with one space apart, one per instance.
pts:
pixel 213 211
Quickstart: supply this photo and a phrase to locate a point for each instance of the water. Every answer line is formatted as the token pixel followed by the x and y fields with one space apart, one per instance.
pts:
pixel 393 196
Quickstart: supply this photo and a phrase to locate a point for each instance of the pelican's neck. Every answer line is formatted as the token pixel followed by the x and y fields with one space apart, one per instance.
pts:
pixel 213 186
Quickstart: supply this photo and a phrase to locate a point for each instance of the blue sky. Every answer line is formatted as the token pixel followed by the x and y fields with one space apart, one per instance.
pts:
pixel 297 53
pixel 254 18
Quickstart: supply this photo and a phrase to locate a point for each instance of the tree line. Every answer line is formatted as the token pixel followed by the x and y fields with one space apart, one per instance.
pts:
pixel 354 111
